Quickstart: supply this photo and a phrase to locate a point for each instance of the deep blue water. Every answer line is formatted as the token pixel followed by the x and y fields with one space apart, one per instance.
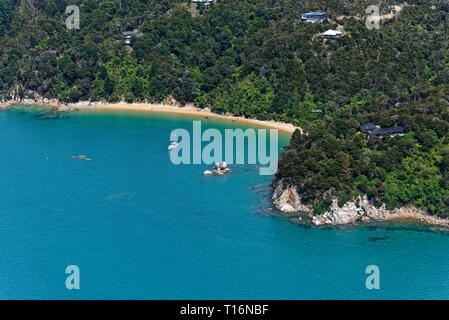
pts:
pixel 139 227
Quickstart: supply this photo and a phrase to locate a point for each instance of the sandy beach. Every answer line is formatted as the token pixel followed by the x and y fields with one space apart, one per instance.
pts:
pixel 188 109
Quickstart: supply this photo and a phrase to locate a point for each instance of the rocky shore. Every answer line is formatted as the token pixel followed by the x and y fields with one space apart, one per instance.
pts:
pixel 28 102
pixel 51 103
pixel 288 201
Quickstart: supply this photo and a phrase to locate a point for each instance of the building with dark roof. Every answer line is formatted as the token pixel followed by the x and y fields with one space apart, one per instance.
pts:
pixel 368 127
pixel 206 2
pixel 372 129
pixel 392 131
pixel 314 16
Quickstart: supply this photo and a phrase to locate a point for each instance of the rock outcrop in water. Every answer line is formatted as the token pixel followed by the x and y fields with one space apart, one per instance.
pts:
pixel 288 201
pixel 219 169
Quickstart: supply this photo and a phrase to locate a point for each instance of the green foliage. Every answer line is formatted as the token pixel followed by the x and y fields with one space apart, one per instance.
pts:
pixel 254 58
pixel 333 158
pixel 6 14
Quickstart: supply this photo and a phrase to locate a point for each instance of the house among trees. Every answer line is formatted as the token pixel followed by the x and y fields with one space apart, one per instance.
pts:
pixel 392 131
pixel 372 129
pixel 129 34
pixel 368 127
pixel 206 2
pixel 333 34
pixel 313 16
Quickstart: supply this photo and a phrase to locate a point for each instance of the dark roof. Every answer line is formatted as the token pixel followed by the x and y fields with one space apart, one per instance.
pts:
pixel 368 127
pixel 314 15
pixel 391 130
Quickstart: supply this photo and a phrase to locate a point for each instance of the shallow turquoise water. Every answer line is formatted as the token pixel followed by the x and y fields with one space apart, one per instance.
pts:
pixel 139 227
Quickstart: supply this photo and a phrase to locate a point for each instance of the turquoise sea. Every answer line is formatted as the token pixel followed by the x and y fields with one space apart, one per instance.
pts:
pixel 139 227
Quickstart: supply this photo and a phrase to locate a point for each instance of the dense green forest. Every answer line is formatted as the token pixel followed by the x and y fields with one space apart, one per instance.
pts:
pixel 253 58
pixel 6 13
pixel 336 159
pixel 258 59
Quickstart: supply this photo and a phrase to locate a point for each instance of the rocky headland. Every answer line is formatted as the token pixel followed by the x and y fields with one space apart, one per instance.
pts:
pixel 288 201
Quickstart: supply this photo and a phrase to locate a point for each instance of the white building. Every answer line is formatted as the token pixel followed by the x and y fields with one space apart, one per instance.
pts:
pixel 332 34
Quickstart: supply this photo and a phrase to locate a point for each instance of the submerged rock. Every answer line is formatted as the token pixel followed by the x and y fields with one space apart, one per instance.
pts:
pixel 65 108
pixel 48 115
pixel 377 238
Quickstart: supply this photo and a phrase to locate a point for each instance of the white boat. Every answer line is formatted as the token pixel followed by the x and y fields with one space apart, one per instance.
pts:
pixel 173 145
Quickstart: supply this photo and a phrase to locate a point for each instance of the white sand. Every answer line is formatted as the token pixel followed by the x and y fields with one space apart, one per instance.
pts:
pixel 189 109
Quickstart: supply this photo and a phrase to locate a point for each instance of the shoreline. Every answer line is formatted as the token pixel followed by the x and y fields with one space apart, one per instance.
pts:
pixel 358 210
pixel 188 110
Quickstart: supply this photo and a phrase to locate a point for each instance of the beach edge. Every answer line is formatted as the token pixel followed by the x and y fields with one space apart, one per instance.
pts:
pixel 187 110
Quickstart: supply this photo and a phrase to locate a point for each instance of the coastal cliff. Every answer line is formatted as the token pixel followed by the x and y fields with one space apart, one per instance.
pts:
pixel 287 200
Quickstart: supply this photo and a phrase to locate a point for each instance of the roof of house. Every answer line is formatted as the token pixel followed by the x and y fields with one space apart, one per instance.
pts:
pixel 315 14
pixel 332 33
pixel 368 127
pixel 391 130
